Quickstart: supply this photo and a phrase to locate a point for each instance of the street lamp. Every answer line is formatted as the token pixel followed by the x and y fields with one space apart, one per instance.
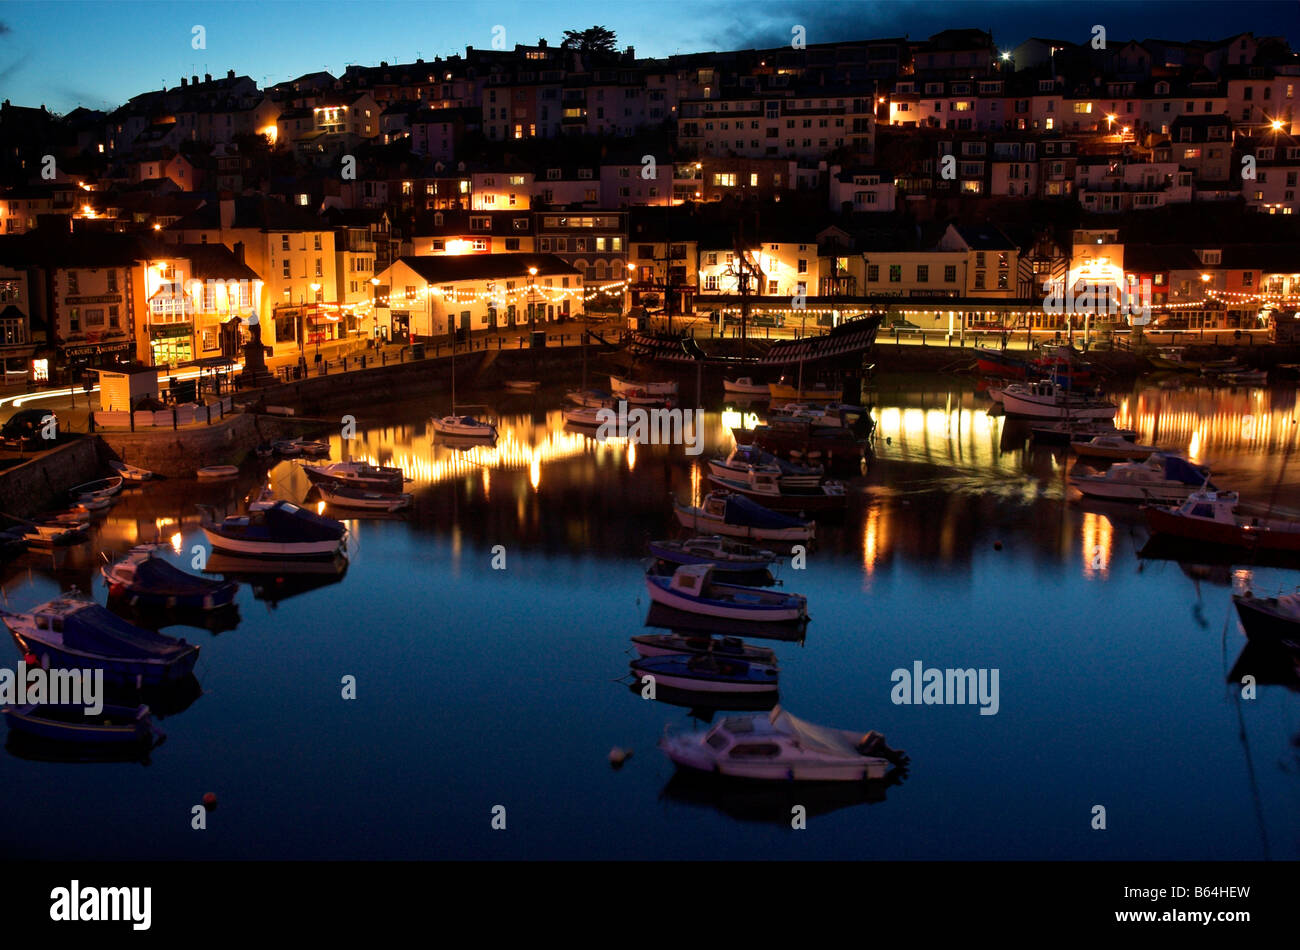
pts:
pixel 315 292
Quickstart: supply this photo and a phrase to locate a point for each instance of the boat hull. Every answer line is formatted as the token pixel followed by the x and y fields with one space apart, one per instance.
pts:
pixel 687 752
pixel 117 671
pixel 1017 405
pixel 272 549
pixel 1100 487
pixel 792 501
pixel 1263 621
pixel 1165 522
pixel 661 593
pixel 115 725
pixel 702 523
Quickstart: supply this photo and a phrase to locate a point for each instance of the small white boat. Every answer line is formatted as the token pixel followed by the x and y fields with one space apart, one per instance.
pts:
pixel 590 398
pixel 287 448
pixel 777 747
pixel 1047 400
pixel 100 489
pixel 522 385
pixel 744 386
pixel 631 387
pixel 348 496
pixel 1159 479
pixel 283 530
pixel 130 473
pixel 389 478
pixel 584 416
pixel 692 589
pixel 218 471
pixel 312 448
pixel 464 427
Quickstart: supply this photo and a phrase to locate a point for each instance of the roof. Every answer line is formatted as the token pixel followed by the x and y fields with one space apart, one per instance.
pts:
pixel 264 214
pixel 214 260
pixel 453 267
pixel 985 237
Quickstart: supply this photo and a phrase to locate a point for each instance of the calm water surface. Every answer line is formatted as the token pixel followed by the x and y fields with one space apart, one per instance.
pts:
pixel 479 687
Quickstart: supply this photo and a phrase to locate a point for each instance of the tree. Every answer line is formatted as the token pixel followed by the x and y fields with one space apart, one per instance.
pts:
pixel 596 39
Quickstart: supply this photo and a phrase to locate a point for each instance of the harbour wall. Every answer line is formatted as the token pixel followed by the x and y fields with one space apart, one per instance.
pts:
pixel 42 482
pixel 179 453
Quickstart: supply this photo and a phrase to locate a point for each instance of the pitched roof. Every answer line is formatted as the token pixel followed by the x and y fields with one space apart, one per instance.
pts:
pixel 264 214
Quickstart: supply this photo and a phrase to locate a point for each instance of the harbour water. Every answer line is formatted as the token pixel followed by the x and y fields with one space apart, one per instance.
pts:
pixel 478 686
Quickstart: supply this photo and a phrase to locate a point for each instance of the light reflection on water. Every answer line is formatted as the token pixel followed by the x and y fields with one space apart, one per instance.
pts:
pixel 961 547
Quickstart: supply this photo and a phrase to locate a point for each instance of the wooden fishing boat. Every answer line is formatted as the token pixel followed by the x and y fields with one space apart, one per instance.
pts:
pixel 351 496
pixel 590 398
pixel 71 633
pixel 801 441
pixel 56 533
pixel 679 644
pixel 1211 517
pixel 215 472
pixel 130 473
pixel 287 448
pixel 146 580
pixel 281 531
pixel 708 673
pixel 310 448
pixel 112 725
pixel 777 747
pixel 740 517
pixel 693 589
pixel 1001 363
pixel 586 417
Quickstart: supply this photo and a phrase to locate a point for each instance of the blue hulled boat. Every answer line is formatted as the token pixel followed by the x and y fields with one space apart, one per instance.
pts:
pixel 112 725
pixel 145 580
pixel 69 633
pixel 708 673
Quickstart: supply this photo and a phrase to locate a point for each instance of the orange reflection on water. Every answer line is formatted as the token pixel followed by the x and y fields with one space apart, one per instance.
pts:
pixel 1098 542
pixel 874 538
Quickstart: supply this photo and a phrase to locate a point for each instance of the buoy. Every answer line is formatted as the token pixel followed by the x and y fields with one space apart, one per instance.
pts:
pixel 210 800
pixel 889 440
pixel 997 545
pixel 31 659
pixel 618 756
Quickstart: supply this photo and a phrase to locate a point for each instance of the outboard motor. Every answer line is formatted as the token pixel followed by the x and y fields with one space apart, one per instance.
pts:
pixel 873 744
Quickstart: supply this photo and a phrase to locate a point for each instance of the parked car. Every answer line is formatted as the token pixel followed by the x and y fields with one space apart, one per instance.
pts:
pixel 27 427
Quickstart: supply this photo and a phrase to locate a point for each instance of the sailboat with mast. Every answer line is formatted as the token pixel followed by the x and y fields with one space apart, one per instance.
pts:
pixel 458 425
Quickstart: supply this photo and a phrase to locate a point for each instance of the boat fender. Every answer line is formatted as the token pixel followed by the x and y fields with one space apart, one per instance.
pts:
pixel 31 659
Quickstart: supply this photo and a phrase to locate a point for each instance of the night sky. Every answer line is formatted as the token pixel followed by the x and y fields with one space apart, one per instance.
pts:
pixel 99 54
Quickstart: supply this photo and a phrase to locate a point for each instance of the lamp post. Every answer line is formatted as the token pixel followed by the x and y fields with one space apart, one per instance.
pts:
pixel 631 269
pixel 315 290
pixel 532 307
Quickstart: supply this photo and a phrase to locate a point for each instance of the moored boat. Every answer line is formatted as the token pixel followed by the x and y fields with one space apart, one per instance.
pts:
pixel 1273 620
pixel 522 385
pixel 130 473
pixel 360 474
pixel 215 472
pixel 744 386
pixel 818 392
pixel 464 427
pixel 779 747
pixel 588 417
pixel 282 530
pixel 679 644
pixel 1059 433
pixel 1001 363
pixel 1047 400
pixel 352 496
pixel 621 386
pixel 723 555
pixel 740 517
pixel 590 398
pixel 708 673
pixel 99 490
pixel 62 722
pixel 1112 447
pixel 693 589
pixel 789 474
pixel 71 633
pixel 1158 479
pixel 801 441
pixel 1211 517
pixel 765 487
pixel 144 579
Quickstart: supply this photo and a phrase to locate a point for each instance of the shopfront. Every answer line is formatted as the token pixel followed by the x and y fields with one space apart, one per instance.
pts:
pixel 80 357
pixel 171 344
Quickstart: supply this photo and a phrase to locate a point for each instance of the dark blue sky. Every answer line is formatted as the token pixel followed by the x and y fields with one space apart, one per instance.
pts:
pixel 98 54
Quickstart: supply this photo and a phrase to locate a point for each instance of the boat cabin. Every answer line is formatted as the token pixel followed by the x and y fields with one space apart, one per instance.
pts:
pixel 1211 506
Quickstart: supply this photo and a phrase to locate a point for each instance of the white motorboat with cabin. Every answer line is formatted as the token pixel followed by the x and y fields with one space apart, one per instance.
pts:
pixel 779 747
pixel 692 589
pixel 744 386
pixel 1159 479
pixel 1047 400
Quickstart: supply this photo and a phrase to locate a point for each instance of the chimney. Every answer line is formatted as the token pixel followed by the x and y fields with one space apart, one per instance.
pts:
pixel 183 82
pixel 207 77
pixel 631 52
pixel 227 212
pixel 230 74
pixel 238 251
pixel 194 80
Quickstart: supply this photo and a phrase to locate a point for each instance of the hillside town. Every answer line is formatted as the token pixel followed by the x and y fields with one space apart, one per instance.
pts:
pixel 951 184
